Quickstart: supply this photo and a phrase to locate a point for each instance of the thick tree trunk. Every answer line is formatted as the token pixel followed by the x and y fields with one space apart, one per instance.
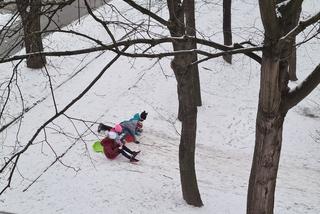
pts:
pixel 188 176
pixel 277 58
pixel 191 31
pixel 188 86
pixel 31 29
pixel 182 19
pixel 265 163
pixel 188 111
pixel 227 34
pixel 188 114
pixel 189 184
pixel 269 125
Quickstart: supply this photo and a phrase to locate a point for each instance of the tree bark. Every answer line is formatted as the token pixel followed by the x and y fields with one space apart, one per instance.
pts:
pixel 189 9
pixel 188 176
pixel 269 126
pixel 272 99
pixel 293 64
pixel 227 34
pixel 262 182
pixel 188 111
pixel 290 18
pixel 275 100
pixel 30 15
pixel 181 23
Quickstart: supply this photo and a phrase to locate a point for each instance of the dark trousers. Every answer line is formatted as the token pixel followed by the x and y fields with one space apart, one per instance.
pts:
pixel 125 150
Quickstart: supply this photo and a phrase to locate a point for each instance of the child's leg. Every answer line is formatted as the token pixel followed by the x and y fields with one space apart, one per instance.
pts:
pixel 127 149
pixel 103 127
pixel 131 158
pixel 133 153
pixel 124 153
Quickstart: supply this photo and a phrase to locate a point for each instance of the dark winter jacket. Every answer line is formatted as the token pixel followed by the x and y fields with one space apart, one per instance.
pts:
pixel 129 128
pixel 110 148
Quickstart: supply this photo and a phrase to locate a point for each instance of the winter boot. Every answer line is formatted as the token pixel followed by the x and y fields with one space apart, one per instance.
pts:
pixel 103 127
pixel 100 128
pixel 134 153
pixel 133 159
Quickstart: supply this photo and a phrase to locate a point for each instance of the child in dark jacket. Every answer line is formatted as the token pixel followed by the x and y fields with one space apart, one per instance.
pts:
pixel 130 127
pixel 114 145
pixel 134 126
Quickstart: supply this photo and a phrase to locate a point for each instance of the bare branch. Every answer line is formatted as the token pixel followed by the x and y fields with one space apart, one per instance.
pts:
pixel 51 89
pixel 147 12
pixel 16 156
pixel 303 90
pixel 246 51
pixel 299 28
pixel 102 23
pixel 15 162
pixel 58 159
pixel 152 42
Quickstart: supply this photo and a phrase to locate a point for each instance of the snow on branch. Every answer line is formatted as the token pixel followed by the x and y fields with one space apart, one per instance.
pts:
pixel 303 90
pixel 152 42
pixel 246 51
pixel 299 28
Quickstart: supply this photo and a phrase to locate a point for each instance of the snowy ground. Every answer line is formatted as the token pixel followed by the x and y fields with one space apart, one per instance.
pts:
pixel 87 182
pixel 4 18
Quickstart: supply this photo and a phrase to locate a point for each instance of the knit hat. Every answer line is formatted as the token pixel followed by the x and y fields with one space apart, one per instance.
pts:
pixel 112 135
pixel 118 128
pixel 143 115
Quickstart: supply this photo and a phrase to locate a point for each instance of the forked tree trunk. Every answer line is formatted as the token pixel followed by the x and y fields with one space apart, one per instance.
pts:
pixel 188 96
pixel 273 103
pixel 227 34
pixel 30 15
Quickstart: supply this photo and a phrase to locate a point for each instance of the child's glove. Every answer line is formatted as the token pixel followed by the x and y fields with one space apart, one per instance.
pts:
pixel 120 145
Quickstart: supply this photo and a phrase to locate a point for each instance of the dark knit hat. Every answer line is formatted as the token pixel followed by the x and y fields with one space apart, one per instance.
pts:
pixel 143 115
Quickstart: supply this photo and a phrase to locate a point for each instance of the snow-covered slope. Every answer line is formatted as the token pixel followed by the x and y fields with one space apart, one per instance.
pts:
pixel 86 182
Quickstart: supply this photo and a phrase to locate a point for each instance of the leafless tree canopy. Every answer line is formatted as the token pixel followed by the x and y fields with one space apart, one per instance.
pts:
pixel 182 42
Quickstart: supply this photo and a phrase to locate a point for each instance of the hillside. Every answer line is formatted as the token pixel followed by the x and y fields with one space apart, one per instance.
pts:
pixel 86 182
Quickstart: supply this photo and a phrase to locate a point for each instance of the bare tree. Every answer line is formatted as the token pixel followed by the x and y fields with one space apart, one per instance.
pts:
pixel 275 100
pixel 227 33
pixel 183 23
pixel 30 12
pixel 181 26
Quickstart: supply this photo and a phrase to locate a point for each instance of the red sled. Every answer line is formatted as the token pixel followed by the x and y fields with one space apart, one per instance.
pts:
pixel 129 138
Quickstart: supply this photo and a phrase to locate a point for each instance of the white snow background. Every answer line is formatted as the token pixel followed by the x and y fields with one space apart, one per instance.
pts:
pixel 4 18
pixel 86 182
